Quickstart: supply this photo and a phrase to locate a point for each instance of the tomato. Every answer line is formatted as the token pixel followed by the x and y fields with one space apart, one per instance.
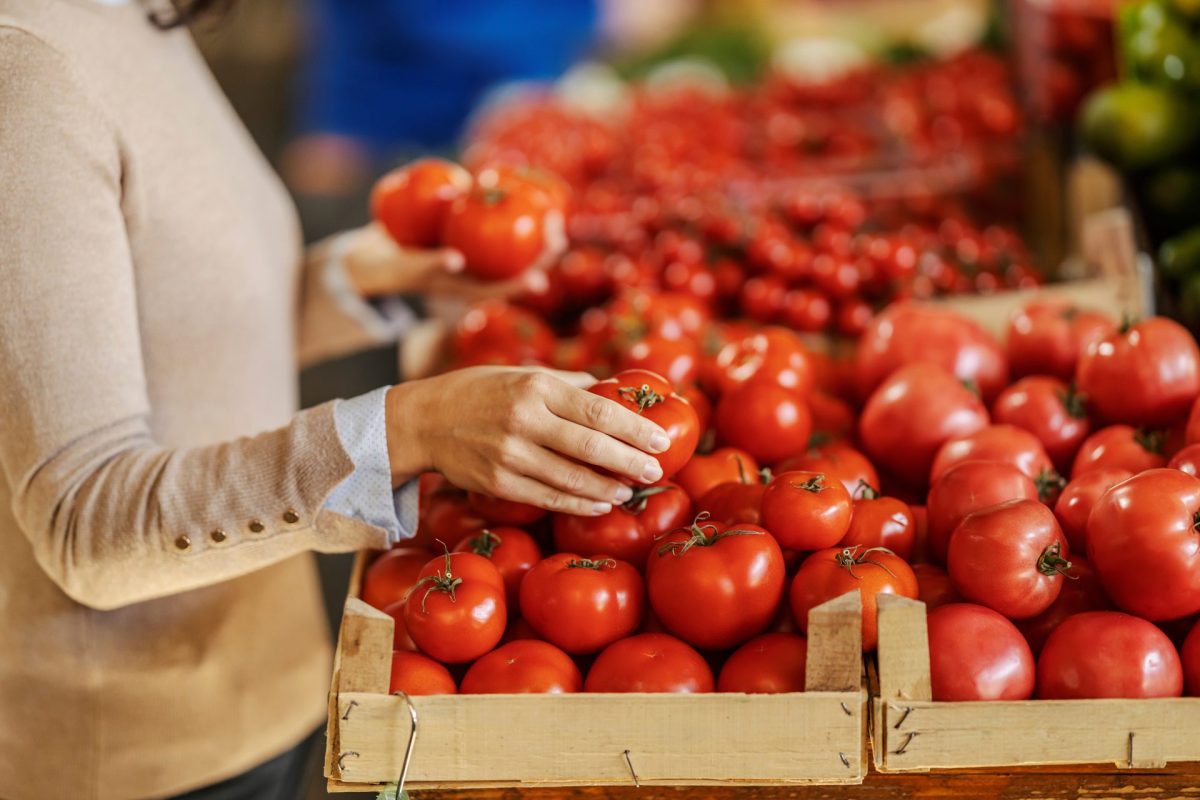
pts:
pixel 1190 653
pixel 525 666
pixel 651 396
pixel 1004 443
pixel 415 674
pixel 1047 337
pixel 772 354
pixel 735 501
pixel 678 360
pixel 723 465
pixel 583 277
pixel 806 310
pixel 1142 542
pixel 390 576
pixel 934 587
pixel 853 316
pixel 912 414
pixel 629 530
pixel 806 510
pixel 1108 654
pixel 456 611
pixel 837 460
pixel 1050 410
pixel 582 604
pixel 834 571
pixel 715 586
pixel 907 333
pixel 649 662
pixel 831 416
pixel 880 521
pixel 966 488
pixel 497 325
pixel 504 512
pixel 1144 374
pixel 500 230
pixel 1192 429
pixel 1009 557
pixel 762 297
pixel 1187 460
pixel 1082 593
pixel 768 421
pixel 1120 447
pixel 1075 503
pixel 446 517
pixel 400 638
pixel 977 654
pixel 511 550
pixel 773 663
pixel 411 202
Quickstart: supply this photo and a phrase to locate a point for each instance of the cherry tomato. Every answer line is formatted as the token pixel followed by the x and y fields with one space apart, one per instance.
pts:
pixel 773 663
pixel 415 674
pixel 1120 447
pixel 678 360
pixel 500 230
pixel 935 589
pixel 723 465
pixel 456 612
pixel 1190 653
pixel 649 662
pixel 504 512
pixel 1009 557
pixel 880 521
pixel 411 202
pixel 651 396
pixel 1082 593
pixel 834 571
pixel 806 310
pixel 977 654
pixel 525 666
pixel 629 530
pixel 1075 503
pixel 806 510
pixel 390 576
pixel 768 421
pixel 511 550
pixel 581 604
pixel 1108 654
pixel 1047 337
pixel 966 488
pixel 772 354
pixel 496 325
pixel 1187 460
pixel 835 459
pixel 762 297
pixel 854 316
pixel 1050 410
pixel 1005 443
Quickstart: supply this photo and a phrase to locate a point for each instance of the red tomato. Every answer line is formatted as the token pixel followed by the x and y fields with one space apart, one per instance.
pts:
pixel 837 460
pixel 966 488
pixel 400 638
pixel 468 566
pixel 762 297
pixel 1142 542
pixel 912 414
pixel 831 416
pixel 1047 337
pixel 629 530
pixel 411 202
pixel 977 654
pixel 496 325
pixel 772 354
pixel 500 230
pixel 678 360
pixel 1075 503
pixel 834 571
pixel 1108 654
pixel 1192 430
pixel 1051 411
pixel 581 604
pixel 723 465
pixel 907 333
pixel 734 502
pixel 935 588
pixel 649 662
pixel 456 611
pixel 1190 653
pixel 806 510
pixel 504 512
pixel 1120 447
pixel 651 396
pixel 518 630
pixel 880 521
pixel 1004 443
pixel 511 550
pixel 853 316
pixel 1082 593
pixel 735 573
pixel 390 576
pixel 446 518
pixel 1144 374
pixel 807 310
pixel 773 663
pixel 525 666
pixel 415 674
pixel 768 421
pixel 1187 460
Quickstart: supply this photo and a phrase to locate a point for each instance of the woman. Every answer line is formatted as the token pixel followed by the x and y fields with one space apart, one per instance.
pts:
pixel 159 617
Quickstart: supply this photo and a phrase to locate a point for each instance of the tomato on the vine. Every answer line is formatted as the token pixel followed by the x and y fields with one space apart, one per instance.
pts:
pixel 806 510
pixel 411 202
pixel 1108 654
pixel 525 666
pixel 582 604
pixel 628 531
pixel 649 662
pixel 773 663
pixel 966 488
pixel 511 550
pixel 977 654
pixel 655 399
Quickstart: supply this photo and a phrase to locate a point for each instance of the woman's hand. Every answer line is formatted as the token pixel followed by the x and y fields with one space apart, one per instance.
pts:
pixel 521 434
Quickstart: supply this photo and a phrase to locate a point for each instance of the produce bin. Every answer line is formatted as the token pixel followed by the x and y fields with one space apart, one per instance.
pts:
pixel 478 741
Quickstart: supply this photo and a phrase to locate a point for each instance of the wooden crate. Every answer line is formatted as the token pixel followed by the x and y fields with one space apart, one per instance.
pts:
pixel 910 732
pixel 478 741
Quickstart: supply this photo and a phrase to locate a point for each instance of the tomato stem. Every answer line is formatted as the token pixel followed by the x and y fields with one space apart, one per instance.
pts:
pixel 700 536
pixel 443 581
pixel 815 484
pixel 1127 321
pixel 590 563
pixel 1051 562
pixel 642 495
pixel 1048 482
pixel 1074 402
pixel 642 396
pixel 850 557
pixel 865 491
pixel 972 387
pixel 1151 441
pixel 485 543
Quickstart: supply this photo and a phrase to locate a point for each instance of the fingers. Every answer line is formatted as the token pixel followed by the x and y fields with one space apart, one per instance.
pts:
pixel 377 266
pixel 546 466
pixel 599 449
pixel 609 417
pixel 511 486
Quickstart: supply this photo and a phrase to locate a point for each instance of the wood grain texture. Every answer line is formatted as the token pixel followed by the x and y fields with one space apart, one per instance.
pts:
pixel 903 649
pixel 364 649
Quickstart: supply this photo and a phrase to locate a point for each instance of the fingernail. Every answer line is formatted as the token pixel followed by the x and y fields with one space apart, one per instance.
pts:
pixel 602 508
pixel 659 442
pixel 455 261
pixel 652 472
pixel 623 495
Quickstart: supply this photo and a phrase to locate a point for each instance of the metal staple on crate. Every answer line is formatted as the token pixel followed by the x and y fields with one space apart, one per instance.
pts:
pixel 904 716
pixel 637 783
pixel 908 737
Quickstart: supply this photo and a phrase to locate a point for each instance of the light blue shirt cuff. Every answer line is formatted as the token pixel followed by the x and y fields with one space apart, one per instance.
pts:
pixel 367 493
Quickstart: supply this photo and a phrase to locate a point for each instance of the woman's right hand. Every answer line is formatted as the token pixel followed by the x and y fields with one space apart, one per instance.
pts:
pixel 522 434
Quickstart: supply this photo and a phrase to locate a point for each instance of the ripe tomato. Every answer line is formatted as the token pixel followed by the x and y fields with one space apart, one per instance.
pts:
pixel 773 663
pixel 806 510
pixel 582 604
pixel 834 571
pixel 504 512
pixel 935 588
pixel 1144 374
pixel 735 502
pixel 456 611
pixel 415 674
pixel 723 465
pixel 1108 654
pixel 496 325
pixel 1004 443
pixel 977 654
pixel 1075 503
pixel 838 460
pixel 1192 429
pixel 762 297
pixel 807 310
pixel 1142 542
pixel 446 517
pixel 1047 337
pixel 907 333
pixel 1187 460
pixel 649 662
pixel 1190 653
pixel 880 521
pixel 735 573
pixel 1083 593
pixel 678 360
pixel 390 576
pixel 519 629
pixel 1050 410
pixel 966 488
pixel 768 421
pixel 500 230
pixel 1009 557
pixel 912 414
pixel 411 202
pixel 832 417
pixel 511 550
pixel 1120 447
pixel 772 354
pixel 400 638
pixel 629 530
pixel 651 396
pixel 525 666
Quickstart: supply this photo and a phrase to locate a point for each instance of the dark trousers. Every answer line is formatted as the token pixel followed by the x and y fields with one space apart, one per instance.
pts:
pixel 281 778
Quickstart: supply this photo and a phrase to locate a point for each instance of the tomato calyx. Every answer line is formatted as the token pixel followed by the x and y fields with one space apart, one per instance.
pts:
pixel 1196 521
pixel 485 543
pixel 850 558
pixel 1127 321
pixel 815 484
pixel 592 563
pixel 865 491
pixel 972 387
pixel 1051 562
pixel 641 496
pixel 817 440
pixel 1074 402
pixel 1048 483
pixel 1151 441
pixel 642 396
pixel 443 581
pixel 492 196
pixel 701 535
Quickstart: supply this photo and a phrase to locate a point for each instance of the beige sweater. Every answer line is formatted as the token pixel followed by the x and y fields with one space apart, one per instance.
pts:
pixel 160 626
